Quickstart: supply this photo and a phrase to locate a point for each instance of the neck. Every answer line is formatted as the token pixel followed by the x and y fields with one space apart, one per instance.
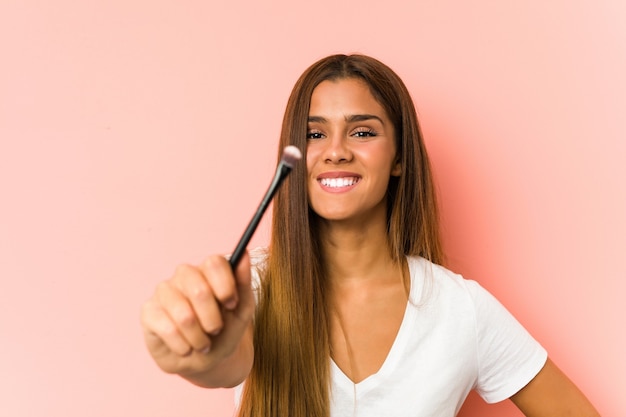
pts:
pixel 356 251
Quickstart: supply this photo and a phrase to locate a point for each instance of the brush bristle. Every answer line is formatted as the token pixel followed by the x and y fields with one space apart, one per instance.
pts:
pixel 291 155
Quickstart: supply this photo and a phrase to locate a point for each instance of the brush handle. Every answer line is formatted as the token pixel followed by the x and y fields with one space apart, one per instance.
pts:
pixel 281 173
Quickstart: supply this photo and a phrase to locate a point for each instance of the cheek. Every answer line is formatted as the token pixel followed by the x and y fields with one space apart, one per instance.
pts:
pixel 311 157
pixel 381 158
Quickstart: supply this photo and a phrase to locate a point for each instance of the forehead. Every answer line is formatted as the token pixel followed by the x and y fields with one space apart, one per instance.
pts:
pixel 344 96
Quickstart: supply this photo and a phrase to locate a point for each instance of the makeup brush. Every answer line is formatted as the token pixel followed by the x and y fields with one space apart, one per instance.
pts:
pixel 291 155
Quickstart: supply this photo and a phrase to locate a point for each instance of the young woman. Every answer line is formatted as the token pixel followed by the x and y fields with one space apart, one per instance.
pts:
pixel 349 311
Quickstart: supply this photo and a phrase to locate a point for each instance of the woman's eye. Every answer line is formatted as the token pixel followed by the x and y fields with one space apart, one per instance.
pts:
pixel 314 135
pixel 364 133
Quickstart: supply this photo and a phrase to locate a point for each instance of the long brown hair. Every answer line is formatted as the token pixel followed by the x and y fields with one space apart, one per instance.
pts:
pixel 291 371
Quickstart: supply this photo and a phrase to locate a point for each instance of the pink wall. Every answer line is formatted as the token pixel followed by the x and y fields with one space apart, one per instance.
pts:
pixel 135 135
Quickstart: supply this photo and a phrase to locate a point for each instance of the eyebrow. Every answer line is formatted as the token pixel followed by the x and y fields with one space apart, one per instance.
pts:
pixel 349 118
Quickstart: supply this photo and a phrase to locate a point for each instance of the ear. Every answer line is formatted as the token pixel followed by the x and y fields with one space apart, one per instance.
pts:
pixel 396 169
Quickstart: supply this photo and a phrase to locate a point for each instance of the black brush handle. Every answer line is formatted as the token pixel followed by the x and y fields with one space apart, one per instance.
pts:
pixel 281 173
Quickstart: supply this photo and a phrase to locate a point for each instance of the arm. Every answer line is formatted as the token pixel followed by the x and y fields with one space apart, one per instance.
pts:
pixel 551 394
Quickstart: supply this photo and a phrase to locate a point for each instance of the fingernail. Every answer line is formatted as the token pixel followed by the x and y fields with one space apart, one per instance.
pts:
pixel 205 350
pixel 215 332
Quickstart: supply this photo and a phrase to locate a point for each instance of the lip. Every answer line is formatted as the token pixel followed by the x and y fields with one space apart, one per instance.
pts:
pixel 338 174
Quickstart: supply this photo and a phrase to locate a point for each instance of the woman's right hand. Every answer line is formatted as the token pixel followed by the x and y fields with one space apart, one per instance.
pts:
pixel 198 324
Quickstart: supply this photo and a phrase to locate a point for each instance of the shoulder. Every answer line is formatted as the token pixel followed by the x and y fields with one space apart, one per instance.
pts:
pixel 430 280
pixel 421 268
pixel 434 287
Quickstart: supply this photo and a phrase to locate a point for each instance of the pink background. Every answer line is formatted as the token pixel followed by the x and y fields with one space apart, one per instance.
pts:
pixel 136 135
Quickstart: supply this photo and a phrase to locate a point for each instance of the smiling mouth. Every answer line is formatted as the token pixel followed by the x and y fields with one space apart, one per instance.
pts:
pixel 338 182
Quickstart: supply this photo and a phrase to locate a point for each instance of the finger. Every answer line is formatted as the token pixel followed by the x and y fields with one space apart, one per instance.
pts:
pixel 161 332
pixel 182 315
pixel 221 279
pixel 195 287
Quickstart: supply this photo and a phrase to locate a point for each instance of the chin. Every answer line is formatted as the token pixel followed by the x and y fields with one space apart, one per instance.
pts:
pixel 333 216
pixel 335 210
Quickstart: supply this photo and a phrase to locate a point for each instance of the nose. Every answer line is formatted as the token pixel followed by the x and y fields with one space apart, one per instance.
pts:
pixel 337 150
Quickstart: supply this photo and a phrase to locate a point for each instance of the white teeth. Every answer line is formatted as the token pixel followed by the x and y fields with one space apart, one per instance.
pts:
pixel 338 182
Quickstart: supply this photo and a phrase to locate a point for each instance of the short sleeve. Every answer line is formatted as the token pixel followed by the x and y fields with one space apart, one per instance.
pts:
pixel 508 356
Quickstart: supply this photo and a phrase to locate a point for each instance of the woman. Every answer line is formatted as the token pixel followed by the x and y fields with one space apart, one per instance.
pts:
pixel 349 311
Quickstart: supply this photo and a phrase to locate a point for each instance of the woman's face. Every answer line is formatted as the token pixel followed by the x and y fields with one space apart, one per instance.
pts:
pixel 351 151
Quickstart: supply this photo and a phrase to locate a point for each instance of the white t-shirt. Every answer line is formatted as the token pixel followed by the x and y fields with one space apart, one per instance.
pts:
pixel 454 337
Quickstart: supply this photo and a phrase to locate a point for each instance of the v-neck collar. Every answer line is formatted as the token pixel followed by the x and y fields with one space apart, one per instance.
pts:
pixel 389 364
